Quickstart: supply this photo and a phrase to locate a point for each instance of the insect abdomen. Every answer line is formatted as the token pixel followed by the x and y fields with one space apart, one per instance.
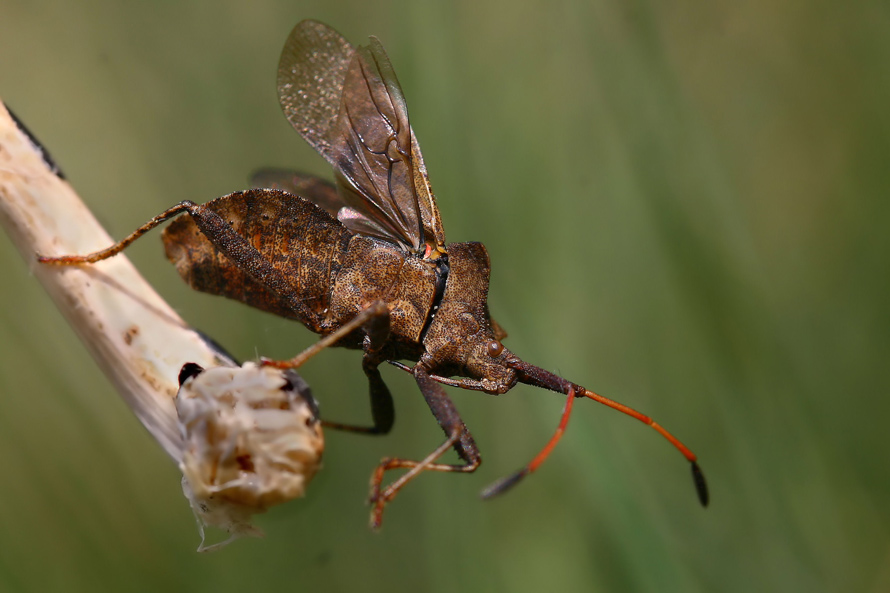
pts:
pixel 299 240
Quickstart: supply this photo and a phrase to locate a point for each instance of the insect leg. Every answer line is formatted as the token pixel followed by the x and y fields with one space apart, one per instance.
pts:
pixel 458 437
pixel 383 412
pixel 375 320
pixel 367 316
pixel 462 383
pixel 68 260
pixel 235 247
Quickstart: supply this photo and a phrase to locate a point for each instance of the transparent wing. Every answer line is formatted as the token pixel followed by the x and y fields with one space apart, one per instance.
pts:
pixel 311 72
pixel 347 104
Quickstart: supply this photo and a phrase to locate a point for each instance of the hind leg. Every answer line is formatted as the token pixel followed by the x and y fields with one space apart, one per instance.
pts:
pixel 91 258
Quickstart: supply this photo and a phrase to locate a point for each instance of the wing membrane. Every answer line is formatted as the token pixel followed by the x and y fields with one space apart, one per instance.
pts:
pixel 372 148
pixel 310 77
pixel 315 189
pixel 347 104
pixel 320 192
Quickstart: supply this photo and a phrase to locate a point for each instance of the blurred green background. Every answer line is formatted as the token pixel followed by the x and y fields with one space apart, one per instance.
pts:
pixel 686 207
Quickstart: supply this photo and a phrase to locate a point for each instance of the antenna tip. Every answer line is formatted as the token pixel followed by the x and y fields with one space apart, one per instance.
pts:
pixel 701 487
pixel 503 484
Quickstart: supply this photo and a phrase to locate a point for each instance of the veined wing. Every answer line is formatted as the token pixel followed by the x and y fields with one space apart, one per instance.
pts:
pixel 346 102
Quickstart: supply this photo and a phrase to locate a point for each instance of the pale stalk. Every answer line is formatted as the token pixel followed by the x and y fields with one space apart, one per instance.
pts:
pixel 139 341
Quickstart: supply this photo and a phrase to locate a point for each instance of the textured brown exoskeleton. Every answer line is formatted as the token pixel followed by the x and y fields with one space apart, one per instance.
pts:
pixel 363 262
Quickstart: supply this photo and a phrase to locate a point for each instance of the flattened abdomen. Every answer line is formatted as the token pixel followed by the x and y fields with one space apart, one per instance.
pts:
pixel 296 237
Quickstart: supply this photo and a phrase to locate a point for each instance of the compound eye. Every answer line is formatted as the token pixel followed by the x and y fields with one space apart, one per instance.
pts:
pixel 495 348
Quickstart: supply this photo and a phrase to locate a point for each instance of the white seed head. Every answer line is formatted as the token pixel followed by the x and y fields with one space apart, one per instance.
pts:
pixel 252 440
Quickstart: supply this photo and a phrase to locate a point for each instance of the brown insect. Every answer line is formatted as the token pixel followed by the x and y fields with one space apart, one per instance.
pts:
pixel 363 261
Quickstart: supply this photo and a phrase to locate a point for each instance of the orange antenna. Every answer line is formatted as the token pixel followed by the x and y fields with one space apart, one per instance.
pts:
pixel 532 375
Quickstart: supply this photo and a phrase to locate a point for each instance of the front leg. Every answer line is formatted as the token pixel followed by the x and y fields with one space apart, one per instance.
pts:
pixel 457 436
pixel 383 413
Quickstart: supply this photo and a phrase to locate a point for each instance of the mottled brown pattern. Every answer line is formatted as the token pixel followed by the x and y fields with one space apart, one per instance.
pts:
pixel 378 276
pixel 411 298
pixel 462 322
pixel 297 237
pixel 375 270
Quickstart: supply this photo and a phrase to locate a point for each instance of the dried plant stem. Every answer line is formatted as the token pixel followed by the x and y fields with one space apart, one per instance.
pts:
pixel 245 437
pixel 139 342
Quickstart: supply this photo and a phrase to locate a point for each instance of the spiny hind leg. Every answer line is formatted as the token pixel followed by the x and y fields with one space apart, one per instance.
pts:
pixel 375 320
pixel 457 436
pixel 91 258
pixel 224 238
